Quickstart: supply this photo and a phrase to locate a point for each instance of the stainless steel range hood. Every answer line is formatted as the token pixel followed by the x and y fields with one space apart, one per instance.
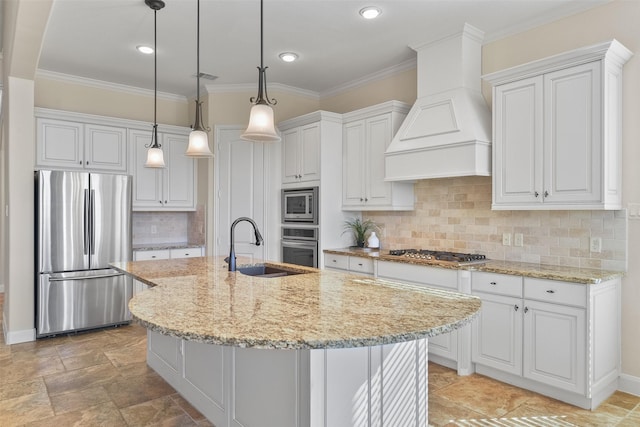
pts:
pixel 447 132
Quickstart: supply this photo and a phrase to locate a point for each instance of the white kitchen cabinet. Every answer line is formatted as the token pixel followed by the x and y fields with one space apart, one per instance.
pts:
pixel 557 131
pixel 301 154
pixel 71 145
pixel 354 264
pixel 556 338
pixel 366 135
pixel 157 254
pixel 451 349
pixel 497 331
pixel 171 188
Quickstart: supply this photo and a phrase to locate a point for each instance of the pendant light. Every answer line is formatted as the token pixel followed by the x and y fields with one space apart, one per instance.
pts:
pixel 155 156
pixel 198 139
pixel 261 127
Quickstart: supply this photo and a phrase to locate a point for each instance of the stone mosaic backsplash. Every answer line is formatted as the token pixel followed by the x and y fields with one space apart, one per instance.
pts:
pixel 169 227
pixel 455 214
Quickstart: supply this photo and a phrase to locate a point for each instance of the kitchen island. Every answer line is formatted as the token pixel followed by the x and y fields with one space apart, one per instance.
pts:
pixel 317 348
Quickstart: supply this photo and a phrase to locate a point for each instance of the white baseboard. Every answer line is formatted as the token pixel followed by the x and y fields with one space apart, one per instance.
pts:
pixel 17 337
pixel 629 384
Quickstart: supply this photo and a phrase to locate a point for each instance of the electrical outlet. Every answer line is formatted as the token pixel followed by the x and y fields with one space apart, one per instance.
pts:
pixel 595 244
pixel 154 229
pixel 518 239
pixel 506 239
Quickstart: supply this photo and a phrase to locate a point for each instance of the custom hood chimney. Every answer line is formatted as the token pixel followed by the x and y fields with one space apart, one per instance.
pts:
pixel 447 132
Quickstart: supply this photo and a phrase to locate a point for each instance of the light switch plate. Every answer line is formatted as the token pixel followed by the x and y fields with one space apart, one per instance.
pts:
pixel 506 239
pixel 595 244
pixel 518 239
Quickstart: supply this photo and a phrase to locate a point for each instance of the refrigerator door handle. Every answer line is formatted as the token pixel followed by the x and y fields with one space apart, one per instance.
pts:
pixel 86 222
pixel 100 276
pixel 92 221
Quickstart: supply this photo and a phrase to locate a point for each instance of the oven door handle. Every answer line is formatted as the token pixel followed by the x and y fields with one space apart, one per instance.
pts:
pixel 300 243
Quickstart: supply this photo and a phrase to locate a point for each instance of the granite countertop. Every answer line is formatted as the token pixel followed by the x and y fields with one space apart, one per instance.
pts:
pixel 160 246
pixel 198 299
pixel 588 276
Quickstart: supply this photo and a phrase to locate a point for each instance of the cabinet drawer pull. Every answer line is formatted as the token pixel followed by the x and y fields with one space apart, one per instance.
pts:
pixel 493 283
pixel 360 264
pixel 334 260
pixel 153 256
pixel 516 307
pixel 551 291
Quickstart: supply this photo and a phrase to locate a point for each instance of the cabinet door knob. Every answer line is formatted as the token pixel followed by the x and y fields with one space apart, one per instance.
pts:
pixel 546 194
pixel 160 201
pixel 536 194
pixel 80 162
pixel 361 199
pixel 87 161
pixel 516 307
pixel 165 202
pixel 366 200
pixel 526 309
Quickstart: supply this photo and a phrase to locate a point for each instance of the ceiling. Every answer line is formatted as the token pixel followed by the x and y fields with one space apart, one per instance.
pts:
pixel 96 39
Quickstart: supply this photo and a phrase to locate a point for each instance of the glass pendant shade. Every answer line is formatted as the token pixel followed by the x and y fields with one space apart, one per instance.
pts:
pixel 155 158
pixel 261 126
pixel 198 144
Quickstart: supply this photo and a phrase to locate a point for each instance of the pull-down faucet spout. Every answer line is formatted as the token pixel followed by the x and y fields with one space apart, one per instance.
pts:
pixel 232 253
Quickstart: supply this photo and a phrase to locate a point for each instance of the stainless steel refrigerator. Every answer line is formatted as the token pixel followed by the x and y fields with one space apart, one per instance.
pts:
pixel 83 222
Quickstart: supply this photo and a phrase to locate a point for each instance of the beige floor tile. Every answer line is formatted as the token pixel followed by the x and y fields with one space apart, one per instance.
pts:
pixel 84 360
pixel 126 392
pixel 136 353
pixel 187 407
pixel 443 412
pixel 81 378
pixel 103 415
pixel 163 411
pixel 79 400
pixel 486 396
pixel 624 400
pixel 24 409
pixel 30 368
pixel 21 388
pixel 440 376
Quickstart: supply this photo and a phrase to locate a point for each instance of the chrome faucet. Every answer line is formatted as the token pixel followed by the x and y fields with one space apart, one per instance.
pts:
pixel 232 254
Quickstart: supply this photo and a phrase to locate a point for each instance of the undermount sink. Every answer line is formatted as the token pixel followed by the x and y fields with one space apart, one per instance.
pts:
pixel 266 271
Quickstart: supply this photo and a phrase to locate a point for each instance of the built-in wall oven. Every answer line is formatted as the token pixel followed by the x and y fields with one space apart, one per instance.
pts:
pixel 300 245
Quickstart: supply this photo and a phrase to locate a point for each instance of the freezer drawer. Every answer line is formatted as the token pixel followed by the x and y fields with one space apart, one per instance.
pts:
pixel 81 300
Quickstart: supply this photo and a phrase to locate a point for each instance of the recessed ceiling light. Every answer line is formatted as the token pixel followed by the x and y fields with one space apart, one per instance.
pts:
pixel 370 12
pixel 147 50
pixel 288 56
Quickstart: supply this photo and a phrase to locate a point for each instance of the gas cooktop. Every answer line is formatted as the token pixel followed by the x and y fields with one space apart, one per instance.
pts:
pixel 440 256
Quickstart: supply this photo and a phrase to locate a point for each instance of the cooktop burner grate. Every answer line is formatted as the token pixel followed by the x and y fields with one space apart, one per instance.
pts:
pixel 454 257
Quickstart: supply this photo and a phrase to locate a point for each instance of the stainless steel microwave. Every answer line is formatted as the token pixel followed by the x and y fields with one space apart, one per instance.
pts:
pixel 300 205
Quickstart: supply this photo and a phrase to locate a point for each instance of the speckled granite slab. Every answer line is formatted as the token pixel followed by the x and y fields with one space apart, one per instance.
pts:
pixel 198 299
pixel 587 276
pixel 160 246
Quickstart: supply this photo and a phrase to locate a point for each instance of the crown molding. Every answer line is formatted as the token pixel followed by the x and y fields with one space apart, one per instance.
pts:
pixel 251 87
pixel 99 84
pixel 378 75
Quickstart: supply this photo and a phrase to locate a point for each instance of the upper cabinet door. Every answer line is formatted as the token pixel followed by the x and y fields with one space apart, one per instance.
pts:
pixel 573 135
pixel 517 166
pixel 179 175
pixel 105 148
pixel 290 155
pixel 60 144
pixel 310 152
pixel 379 136
pixel 147 182
pixel 353 153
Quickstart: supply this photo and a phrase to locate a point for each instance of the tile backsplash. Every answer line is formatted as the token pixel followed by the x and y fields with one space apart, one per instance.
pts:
pixel 455 214
pixel 169 227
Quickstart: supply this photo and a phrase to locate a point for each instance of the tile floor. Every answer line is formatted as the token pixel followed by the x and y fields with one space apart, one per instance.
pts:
pixel 101 379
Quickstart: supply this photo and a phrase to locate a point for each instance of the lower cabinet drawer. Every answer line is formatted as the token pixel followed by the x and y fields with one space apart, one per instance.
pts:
pixel 498 284
pixel 336 261
pixel 149 255
pixel 186 253
pixel 361 265
pixel 555 292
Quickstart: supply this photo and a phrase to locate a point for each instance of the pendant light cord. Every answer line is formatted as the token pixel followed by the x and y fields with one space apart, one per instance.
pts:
pixel 198 55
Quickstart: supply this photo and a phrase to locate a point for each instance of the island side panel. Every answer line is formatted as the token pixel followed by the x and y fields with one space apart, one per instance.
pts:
pixel 383 385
